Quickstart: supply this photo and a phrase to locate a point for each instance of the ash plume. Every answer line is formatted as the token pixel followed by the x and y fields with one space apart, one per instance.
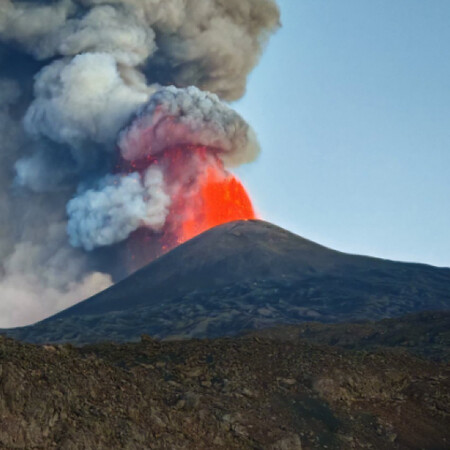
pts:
pixel 188 116
pixel 87 87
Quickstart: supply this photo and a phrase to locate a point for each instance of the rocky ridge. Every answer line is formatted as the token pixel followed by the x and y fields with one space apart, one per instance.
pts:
pixel 252 392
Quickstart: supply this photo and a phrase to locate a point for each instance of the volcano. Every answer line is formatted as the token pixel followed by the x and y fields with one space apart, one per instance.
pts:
pixel 246 275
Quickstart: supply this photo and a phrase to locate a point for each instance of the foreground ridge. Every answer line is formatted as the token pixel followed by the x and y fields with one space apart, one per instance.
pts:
pixel 243 393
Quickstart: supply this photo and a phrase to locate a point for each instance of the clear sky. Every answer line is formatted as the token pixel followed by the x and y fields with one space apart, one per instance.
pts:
pixel 351 103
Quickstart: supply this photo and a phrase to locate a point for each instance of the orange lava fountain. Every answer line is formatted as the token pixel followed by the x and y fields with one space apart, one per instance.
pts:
pixel 203 195
pixel 221 198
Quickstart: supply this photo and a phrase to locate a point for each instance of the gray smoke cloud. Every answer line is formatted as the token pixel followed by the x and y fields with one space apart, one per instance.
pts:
pixel 188 116
pixel 74 76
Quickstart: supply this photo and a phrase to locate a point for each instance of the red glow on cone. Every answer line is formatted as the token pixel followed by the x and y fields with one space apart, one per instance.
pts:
pixel 203 195
pixel 221 198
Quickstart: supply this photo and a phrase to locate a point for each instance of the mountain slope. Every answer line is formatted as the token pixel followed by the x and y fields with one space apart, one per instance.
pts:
pixel 247 275
pixel 242 252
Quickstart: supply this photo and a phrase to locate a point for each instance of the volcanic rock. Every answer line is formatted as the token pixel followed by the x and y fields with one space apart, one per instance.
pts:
pixel 262 392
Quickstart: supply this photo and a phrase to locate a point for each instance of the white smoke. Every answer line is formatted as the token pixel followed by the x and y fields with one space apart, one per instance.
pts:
pixel 117 206
pixel 72 74
pixel 81 100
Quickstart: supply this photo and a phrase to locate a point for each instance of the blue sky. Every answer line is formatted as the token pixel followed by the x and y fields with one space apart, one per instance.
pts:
pixel 351 103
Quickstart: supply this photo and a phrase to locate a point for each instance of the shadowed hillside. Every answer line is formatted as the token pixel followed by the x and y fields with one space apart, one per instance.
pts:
pixel 241 276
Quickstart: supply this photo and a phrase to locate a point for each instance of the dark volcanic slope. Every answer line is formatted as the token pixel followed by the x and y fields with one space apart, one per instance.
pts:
pixel 247 275
pixel 235 253
pixel 425 334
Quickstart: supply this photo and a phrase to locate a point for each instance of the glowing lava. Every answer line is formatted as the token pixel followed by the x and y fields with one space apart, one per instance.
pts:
pixel 220 198
pixel 203 195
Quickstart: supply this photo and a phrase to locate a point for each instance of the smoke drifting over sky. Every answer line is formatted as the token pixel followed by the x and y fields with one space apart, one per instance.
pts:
pixel 84 83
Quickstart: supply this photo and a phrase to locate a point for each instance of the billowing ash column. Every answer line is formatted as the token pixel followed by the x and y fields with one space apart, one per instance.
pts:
pixel 112 121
